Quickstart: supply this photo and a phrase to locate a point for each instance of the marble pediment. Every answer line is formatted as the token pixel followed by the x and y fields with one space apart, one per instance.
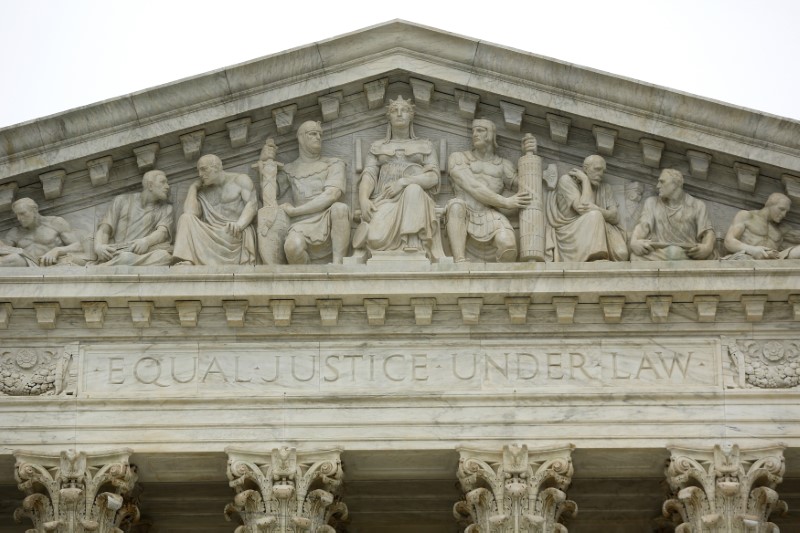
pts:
pixel 72 164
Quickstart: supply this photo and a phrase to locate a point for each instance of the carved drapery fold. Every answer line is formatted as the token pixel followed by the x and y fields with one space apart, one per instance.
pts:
pixel 726 490
pixel 285 491
pixel 515 490
pixel 76 492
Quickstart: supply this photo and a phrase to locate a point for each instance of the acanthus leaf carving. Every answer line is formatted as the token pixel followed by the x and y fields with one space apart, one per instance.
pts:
pixel 76 492
pixel 285 491
pixel 515 490
pixel 725 490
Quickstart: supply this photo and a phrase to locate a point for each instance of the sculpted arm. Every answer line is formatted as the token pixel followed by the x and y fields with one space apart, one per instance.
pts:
pixel 366 186
pixel 705 247
pixel 640 237
pixel 734 244
pixel 157 236
pixel 101 238
pixel 325 199
pixel 248 195
pixel 71 243
pixel 640 243
pixel 191 205
pixel 12 240
pixel 464 178
pixel 707 238
pixel 610 213
pixel 583 203
pixel 431 174
pixel 428 178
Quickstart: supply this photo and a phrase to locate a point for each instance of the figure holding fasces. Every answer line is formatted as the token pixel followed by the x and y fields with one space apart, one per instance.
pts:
pixel 39 240
pixel 137 228
pixel 476 217
pixel 583 216
pixel 760 234
pixel 673 225
pixel 396 190
pixel 319 225
pixel 215 227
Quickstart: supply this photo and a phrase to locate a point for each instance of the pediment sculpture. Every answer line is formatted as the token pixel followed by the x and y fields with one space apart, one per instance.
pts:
pixel 399 207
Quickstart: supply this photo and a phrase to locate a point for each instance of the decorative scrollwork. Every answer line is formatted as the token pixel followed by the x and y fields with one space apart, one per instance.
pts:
pixel 77 493
pixel 726 490
pixel 285 492
pixel 515 491
pixel 773 364
pixel 30 372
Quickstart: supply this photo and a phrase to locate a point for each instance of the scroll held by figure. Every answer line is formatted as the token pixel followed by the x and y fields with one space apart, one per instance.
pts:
pixel 40 240
pixel 215 227
pixel 316 224
pixel 673 226
pixel 583 217
pixel 137 228
pixel 476 218
pixel 397 188
pixel 762 234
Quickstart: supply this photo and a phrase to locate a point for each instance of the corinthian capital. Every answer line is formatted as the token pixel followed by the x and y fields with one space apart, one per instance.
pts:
pixel 724 490
pixel 515 490
pixel 285 491
pixel 76 492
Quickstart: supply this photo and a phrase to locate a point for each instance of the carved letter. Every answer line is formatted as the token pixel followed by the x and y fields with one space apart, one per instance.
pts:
pixel 113 380
pixel 474 367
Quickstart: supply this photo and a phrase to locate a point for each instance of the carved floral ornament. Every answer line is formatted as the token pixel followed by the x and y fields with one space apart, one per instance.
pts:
pixel 515 491
pixel 767 364
pixel 726 490
pixel 76 492
pixel 285 491
pixel 31 371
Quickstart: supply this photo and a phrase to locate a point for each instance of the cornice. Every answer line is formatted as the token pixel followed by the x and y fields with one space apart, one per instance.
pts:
pixel 325 66
pixel 695 297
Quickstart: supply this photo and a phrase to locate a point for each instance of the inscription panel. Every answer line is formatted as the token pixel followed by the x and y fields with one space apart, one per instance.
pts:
pixel 399 367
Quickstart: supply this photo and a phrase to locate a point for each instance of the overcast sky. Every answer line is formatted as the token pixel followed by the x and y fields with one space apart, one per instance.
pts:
pixel 61 54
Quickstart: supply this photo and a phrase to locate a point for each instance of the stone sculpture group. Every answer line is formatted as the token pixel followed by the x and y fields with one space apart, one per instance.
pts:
pixel 397 213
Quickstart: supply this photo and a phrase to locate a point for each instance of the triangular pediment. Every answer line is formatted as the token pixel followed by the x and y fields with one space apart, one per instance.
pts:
pixel 78 160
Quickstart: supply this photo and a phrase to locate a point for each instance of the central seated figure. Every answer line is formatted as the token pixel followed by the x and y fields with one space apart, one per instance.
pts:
pixel 400 178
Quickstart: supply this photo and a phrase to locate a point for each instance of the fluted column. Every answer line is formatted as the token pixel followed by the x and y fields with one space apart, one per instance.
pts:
pixel 76 492
pixel 515 490
pixel 285 491
pixel 724 490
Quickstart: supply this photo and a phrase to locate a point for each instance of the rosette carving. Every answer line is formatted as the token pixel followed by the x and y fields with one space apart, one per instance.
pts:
pixel 286 492
pixel 30 371
pixel 726 490
pixel 75 492
pixel 515 491
pixel 769 364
